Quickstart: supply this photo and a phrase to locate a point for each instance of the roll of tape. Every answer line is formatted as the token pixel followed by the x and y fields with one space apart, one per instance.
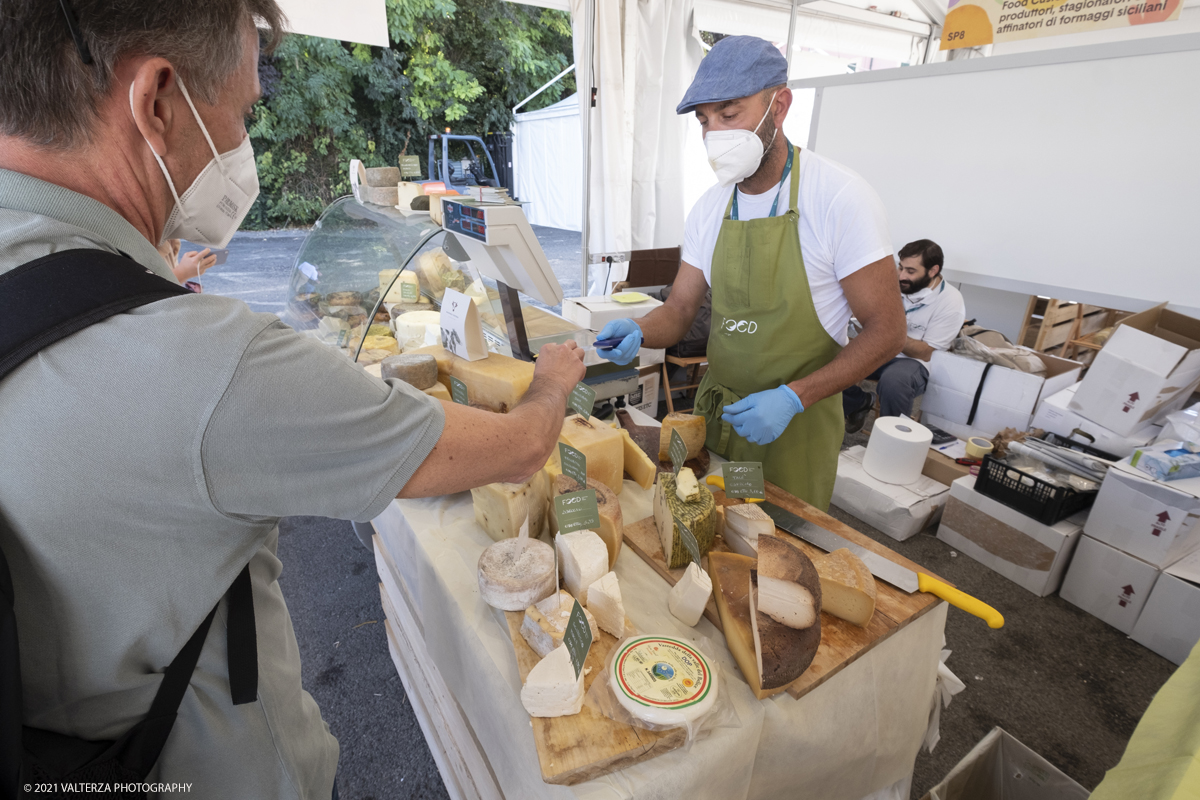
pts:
pixel 978 447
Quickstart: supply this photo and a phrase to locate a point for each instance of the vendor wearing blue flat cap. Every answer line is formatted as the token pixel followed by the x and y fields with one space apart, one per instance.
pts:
pixel 792 245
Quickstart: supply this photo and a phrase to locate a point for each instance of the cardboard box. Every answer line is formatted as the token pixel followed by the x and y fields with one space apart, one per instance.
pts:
pixel 645 397
pixel 594 313
pixel 1055 416
pixel 1007 400
pixel 943 469
pixel 1170 623
pixel 1157 522
pixel 1032 555
pixel 899 511
pixel 1001 768
pixel 1148 368
pixel 1108 584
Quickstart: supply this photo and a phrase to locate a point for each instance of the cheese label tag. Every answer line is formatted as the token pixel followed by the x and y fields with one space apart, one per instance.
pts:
pixel 677 450
pixel 410 292
pixel 574 464
pixel 689 541
pixel 410 166
pixel 458 392
pixel 744 479
pixel 661 673
pixel 578 637
pixel 577 511
pixel 462 331
pixel 581 400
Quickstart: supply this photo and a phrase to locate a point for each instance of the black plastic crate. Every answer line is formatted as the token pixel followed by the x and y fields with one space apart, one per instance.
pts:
pixel 1032 496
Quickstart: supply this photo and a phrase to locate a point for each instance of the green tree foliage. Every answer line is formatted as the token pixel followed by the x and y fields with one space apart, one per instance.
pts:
pixel 457 64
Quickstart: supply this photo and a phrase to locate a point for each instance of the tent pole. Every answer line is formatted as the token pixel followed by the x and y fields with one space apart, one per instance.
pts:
pixel 545 86
pixel 791 36
pixel 589 99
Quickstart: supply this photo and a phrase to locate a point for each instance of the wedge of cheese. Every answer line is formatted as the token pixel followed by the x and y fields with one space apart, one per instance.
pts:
pixel 687 488
pixel 789 588
pixel 730 575
pixel 603 446
pixel 545 622
pixel 612 523
pixel 638 465
pixel 497 382
pixel 396 293
pixel 689 596
pixel 501 508
pixel 744 523
pixel 699 516
pixel 781 654
pixel 847 587
pixel 604 601
pixel 418 329
pixel 582 560
pixel 516 573
pixel 691 429
pixel 551 688
pixel 439 391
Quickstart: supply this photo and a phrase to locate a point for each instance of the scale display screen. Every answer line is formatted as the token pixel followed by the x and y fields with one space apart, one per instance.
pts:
pixel 464 219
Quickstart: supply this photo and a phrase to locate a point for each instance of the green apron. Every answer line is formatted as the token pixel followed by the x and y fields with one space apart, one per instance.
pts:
pixel 765 333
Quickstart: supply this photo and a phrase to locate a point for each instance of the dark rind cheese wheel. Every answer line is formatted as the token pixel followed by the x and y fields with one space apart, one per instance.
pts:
pixel 417 369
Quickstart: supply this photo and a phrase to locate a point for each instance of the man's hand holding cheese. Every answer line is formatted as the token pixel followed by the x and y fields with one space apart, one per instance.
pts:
pixel 792 245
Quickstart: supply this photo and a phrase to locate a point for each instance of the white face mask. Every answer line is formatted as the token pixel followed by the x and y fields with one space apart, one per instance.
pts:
pixel 735 155
pixel 213 207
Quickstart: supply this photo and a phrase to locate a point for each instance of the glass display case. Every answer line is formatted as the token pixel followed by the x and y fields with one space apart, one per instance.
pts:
pixel 369 280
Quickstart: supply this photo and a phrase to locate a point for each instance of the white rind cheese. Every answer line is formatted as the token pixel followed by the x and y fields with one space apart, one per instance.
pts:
pixel 516 573
pixel 545 622
pixel 500 508
pixel 551 688
pixel 582 560
pixel 418 329
pixel 604 601
pixel 612 522
pixel 662 681
pixel 744 523
pixel 688 598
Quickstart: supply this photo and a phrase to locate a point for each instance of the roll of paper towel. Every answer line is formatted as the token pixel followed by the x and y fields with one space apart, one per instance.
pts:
pixel 897 449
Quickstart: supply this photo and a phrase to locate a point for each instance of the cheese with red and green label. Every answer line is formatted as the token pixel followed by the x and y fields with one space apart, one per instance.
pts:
pixel 662 681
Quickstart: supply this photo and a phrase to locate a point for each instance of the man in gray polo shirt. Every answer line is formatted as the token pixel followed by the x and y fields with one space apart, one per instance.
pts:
pixel 139 481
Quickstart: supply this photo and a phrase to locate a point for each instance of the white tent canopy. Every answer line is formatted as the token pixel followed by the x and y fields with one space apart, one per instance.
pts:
pixel 548 164
pixel 361 21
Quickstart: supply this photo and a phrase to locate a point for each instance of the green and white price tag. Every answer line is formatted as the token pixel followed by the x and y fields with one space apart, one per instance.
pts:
pixel 744 479
pixel 581 400
pixel 458 392
pixel 578 637
pixel 577 511
pixel 677 450
pixel 410 166
pixel 574 464
pixel 410 293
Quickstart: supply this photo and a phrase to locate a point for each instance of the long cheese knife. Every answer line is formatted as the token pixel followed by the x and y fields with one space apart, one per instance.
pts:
pixel 884 569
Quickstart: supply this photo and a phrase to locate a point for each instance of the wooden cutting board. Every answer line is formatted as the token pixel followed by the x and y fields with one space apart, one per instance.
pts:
pixel 586 745
pixel 841 642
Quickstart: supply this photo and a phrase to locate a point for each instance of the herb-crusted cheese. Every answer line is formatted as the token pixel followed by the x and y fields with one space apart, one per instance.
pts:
pixel 699 515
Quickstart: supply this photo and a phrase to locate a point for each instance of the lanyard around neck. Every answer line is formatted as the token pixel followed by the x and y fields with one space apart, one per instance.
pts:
pixel 787 168
pixel 941 288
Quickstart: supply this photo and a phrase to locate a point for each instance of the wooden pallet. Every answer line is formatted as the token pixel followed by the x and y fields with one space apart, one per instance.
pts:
pixel 841 642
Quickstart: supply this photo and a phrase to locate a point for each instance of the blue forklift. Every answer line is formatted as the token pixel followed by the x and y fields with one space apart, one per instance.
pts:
pixel 460 173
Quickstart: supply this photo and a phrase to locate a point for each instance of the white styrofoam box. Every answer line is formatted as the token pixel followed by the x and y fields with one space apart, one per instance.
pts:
pixel 1054 416
pixel 1108 583
pixel 1170 623
pixel 1152 520
pixel 1008 398
pixel 899 511
pixel 1148 368
pixel 1028 553
pixel 594 313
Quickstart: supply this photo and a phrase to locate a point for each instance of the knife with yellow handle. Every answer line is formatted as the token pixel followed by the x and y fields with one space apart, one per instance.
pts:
pixel 903 578
pixel 719 482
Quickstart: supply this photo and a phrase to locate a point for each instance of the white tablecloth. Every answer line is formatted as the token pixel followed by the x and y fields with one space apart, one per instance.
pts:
pixel 855 736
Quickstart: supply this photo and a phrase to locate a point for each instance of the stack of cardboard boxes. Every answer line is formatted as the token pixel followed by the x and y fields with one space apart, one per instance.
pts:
pixel 1134 561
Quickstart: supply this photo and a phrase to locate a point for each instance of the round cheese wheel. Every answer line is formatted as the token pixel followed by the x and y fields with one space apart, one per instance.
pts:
pixel 418 329
pixel 418 369
pixel 516 573
pixel 662 681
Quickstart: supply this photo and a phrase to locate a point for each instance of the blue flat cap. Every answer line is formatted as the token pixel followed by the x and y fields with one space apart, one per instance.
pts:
pixel 736 66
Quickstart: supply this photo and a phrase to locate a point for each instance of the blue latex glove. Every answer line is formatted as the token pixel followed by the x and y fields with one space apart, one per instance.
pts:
pixel 763 416
pixel 630 335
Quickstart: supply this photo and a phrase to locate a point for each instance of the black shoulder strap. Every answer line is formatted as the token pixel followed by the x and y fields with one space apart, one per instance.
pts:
pixel 54 296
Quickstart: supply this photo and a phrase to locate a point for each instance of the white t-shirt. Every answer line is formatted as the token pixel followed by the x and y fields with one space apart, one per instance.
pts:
pixel 843 227
pixel 934 316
